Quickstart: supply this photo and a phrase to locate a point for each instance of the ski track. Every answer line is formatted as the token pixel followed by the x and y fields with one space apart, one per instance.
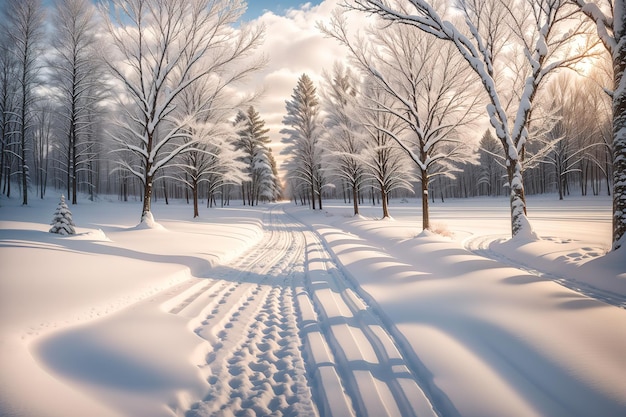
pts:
pixel 284 334
pixel 479 245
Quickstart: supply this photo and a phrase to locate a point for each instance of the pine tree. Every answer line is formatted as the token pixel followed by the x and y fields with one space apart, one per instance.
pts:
pixel 253 141
pixel 301 138
pixel 62 222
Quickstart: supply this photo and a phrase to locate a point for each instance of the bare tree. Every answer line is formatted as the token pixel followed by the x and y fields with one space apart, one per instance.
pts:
pixel 610 19
pixel 43 129
pixel 25 20
pixel 165 48
pixel 79 77
pixel 575 133
pixel 432 95
pixel 8 93
pixel 539 33
pixel 213 159
pixel 385 162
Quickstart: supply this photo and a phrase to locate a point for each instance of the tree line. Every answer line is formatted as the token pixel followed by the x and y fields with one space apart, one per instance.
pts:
pixel 129 96
pixel 141 98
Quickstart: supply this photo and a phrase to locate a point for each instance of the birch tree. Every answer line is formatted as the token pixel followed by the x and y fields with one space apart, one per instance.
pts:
pixel 431 92
pixel 610 19
pixel 539 33
pixel 166 47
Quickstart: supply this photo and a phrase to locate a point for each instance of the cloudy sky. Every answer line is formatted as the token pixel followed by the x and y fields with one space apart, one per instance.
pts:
pixel 293 46
pixel 256 8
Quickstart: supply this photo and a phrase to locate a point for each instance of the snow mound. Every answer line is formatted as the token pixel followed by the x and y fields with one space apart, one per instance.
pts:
pixel 93 235
pixel 148 222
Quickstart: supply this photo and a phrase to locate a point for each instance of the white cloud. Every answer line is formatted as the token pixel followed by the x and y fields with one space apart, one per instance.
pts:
pixel 293 45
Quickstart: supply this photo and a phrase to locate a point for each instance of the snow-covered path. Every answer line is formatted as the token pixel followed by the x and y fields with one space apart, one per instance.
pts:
pixel 254 358
pixel 246 314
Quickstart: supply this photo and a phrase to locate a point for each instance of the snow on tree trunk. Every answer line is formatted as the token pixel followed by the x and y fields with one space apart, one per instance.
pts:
pixel 619 131
pixel 62 222
pixel 520 226
pixel 612 33
pixel 147 199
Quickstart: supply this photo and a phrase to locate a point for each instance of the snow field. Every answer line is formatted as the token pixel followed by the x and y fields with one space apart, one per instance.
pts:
pixel 253 311
pixel 485 338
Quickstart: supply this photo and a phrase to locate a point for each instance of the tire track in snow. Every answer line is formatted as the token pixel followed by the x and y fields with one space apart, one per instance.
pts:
pixel 479 245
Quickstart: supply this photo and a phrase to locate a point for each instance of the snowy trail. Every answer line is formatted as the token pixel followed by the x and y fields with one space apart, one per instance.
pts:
pixel 266 320
pixel 480 245
pixel 246 315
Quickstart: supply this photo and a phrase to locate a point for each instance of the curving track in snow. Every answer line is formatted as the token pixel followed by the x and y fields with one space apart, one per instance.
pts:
pixel 284 334
pixel 479 245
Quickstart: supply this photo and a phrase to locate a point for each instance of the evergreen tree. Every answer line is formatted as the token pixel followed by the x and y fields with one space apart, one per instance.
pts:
pixel 62 222
pixel 492 172
pixel 277 185
pixel 302 138
pixel 253 141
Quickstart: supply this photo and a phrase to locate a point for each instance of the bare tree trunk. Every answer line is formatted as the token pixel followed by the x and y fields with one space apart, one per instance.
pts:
pixel 194 187
pixel 425 215
pixel 385 206
pixel 74 174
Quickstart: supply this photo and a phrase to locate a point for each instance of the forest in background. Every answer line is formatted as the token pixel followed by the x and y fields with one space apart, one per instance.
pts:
pixel 141 99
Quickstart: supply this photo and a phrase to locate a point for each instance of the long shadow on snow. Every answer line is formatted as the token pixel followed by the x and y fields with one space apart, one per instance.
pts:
pixel 83 356
pixel 534 376
pixel 47 241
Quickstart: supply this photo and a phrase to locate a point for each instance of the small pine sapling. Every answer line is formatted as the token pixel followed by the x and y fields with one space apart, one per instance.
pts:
pixel 62 222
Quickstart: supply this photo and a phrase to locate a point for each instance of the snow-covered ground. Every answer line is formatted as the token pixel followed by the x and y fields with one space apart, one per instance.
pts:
pixel 278 310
